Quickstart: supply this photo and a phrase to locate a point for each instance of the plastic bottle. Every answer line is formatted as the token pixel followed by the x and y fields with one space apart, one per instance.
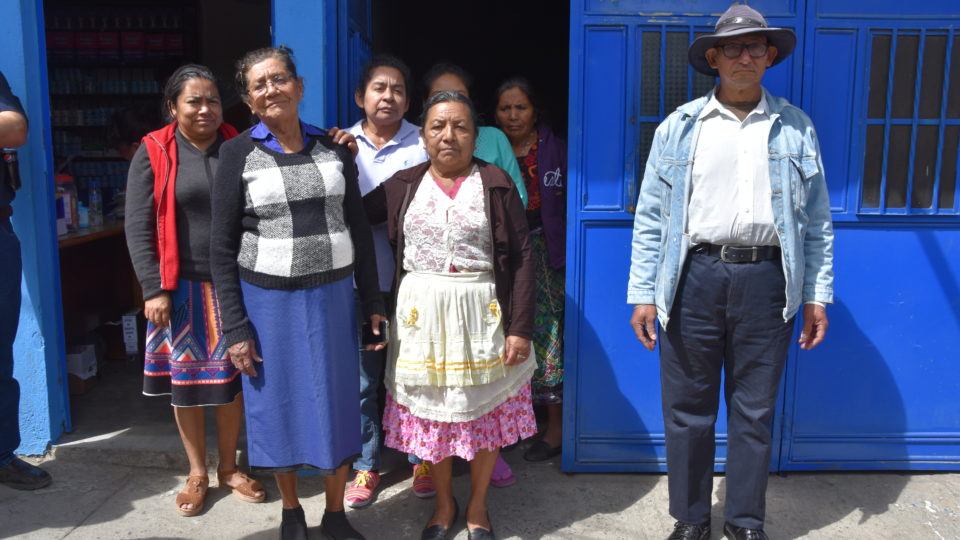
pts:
pixel 95 206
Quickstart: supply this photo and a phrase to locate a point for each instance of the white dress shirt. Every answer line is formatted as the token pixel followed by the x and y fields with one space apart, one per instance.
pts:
pixel 730 191
pixel 375 166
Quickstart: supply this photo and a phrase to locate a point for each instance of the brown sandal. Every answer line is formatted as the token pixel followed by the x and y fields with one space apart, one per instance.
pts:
pixel 247 491
pixel 195 492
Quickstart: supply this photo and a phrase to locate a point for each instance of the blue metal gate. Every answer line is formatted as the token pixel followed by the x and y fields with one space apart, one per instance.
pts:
pixel 880 393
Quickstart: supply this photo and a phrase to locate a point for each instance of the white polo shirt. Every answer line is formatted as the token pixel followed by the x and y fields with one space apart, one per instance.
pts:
pixel 375 166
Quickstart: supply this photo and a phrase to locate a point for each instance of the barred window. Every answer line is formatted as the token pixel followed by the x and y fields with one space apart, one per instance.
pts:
pixel 666 78
pixel 913 123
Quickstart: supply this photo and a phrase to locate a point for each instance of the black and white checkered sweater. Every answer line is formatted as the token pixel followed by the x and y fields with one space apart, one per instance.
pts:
pixel 287 221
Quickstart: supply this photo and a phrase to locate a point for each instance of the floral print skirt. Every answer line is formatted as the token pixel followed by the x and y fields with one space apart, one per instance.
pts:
pixel 434 441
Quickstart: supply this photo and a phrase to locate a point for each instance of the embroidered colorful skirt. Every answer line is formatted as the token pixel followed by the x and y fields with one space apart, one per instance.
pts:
pixel 434 441
pixel 188 360
pixel 303 407
pixel 547 326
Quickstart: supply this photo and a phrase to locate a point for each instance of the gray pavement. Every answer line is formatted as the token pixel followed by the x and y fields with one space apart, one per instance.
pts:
pixel 89 500
pixel 118 473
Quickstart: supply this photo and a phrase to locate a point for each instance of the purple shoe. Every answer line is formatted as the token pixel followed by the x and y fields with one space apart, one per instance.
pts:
pixel 502 474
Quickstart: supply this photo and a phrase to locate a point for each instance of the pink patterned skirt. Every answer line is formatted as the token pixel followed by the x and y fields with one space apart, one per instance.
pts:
pixel 434 441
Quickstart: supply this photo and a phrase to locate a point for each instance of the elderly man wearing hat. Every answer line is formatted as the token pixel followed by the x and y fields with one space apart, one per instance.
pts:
pixel 732 237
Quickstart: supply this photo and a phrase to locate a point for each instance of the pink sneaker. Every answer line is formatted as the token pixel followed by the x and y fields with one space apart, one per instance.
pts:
pixel 423 481
pixel 502 474
pixel 360 492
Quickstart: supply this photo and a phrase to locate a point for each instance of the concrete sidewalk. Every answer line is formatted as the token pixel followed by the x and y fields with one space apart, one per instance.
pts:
pixel 89 500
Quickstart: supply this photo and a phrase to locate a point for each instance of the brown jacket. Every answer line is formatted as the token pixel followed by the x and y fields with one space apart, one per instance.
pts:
pixel 512 260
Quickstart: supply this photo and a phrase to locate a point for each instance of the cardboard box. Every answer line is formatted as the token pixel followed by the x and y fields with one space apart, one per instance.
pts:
pixel 82 361
pixel 80 386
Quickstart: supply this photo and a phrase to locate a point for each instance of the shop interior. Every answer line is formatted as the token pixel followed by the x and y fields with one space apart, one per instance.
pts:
pixel 491 40
pixel 107 61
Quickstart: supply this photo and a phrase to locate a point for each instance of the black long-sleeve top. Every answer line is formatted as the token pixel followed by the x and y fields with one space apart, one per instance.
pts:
pixel 195 174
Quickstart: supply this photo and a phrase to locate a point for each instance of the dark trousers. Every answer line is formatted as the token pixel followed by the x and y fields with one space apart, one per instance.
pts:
pixel 10 272
pixel 726 317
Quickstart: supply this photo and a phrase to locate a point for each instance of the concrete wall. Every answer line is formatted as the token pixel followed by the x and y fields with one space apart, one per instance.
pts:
pixel 38 350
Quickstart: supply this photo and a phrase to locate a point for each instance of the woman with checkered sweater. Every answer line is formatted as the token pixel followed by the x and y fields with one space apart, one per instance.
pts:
pixel 289 237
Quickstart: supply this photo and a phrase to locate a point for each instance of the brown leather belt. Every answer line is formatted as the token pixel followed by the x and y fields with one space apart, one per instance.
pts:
pixel 738 254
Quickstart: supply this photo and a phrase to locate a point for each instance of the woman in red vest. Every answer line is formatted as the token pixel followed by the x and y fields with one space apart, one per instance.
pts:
pixel 168 235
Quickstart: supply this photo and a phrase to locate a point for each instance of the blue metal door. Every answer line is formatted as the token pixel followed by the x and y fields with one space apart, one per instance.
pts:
pixel 881 81
pixel 353 44
pixel 897 262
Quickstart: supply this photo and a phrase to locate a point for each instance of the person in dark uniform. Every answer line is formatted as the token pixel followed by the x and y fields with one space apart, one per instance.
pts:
pixel 14 472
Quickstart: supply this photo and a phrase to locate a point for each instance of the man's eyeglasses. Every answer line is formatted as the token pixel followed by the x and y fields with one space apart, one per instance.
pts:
pixel 277 81
pixel 734 50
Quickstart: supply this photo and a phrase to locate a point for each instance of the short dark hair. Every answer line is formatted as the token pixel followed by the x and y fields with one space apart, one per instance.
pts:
pixel 445 68
pixel 174 86
pixel 522 84
pixel 379 61
pixel 254 57
pixel 445 97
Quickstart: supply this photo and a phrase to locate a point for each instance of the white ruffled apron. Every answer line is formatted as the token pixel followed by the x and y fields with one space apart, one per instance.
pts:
pixel 448 347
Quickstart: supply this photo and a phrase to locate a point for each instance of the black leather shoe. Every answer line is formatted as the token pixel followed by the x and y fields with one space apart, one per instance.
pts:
pixel 293 526
pixel 690 531
pixel 334 526
pixel 541 451
pixel 479 533
pixel 439 532
pixel 742 533
pixel 18 474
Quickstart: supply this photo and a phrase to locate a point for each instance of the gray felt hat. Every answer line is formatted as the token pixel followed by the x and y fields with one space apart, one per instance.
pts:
pixel 739 20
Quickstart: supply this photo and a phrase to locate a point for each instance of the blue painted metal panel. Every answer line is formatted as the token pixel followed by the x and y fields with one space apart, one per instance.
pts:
pixel 39 364
pixel 306 28
pixel 654 8
pixel 881 392
pixel 605 113
pixel 885 9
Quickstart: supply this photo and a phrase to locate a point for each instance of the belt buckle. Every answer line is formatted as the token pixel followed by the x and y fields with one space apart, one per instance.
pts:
pixel 754 254
pixel 723 254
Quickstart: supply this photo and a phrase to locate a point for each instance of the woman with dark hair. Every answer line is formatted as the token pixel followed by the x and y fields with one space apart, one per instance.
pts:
pixel 289 237
pixel 458 378
pixel 542 157
pixel 387 143
pixel 492 145
pixel 168 234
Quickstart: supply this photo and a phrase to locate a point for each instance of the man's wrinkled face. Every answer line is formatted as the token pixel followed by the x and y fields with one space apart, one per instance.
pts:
pixel 741 61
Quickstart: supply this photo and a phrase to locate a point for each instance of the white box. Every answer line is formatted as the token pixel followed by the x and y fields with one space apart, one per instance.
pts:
pixel 131 332
pixel 82 361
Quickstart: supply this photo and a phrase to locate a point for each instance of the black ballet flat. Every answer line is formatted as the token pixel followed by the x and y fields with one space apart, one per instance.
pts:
pixel 439 532
pixel 479 533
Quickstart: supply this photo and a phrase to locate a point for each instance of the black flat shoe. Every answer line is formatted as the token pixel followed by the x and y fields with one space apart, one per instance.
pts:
pixel 479 533
pixel 439 532
pixel 742 533
pixel 690 531
pixel 18 474
pixel 334 526
pixel 541 451
pixel 294 524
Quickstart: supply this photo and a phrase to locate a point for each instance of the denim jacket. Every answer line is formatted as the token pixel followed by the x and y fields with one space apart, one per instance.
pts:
pixel 801 209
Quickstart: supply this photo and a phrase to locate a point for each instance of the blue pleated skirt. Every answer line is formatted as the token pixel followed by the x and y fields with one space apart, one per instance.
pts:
pixel 303 407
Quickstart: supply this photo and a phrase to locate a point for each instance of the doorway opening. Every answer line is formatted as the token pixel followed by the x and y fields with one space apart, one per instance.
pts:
pixel 107 62
pixel 491 40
